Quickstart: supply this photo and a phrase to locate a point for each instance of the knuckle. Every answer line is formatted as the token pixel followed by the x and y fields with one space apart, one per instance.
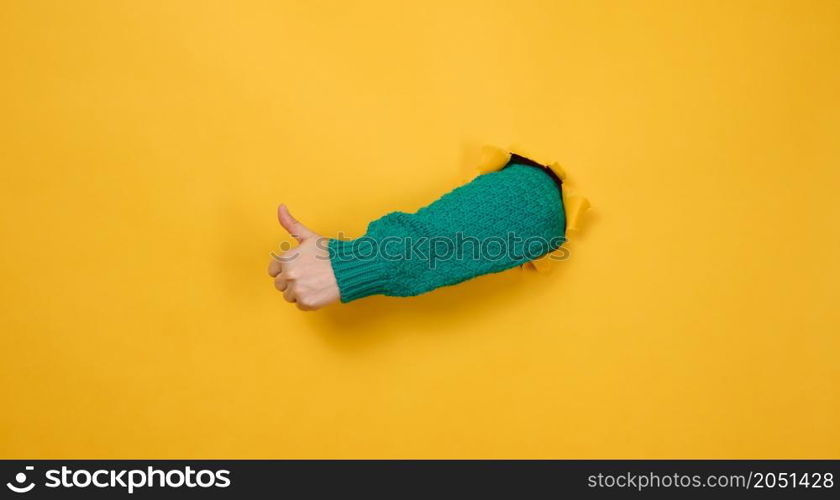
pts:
pixel 306 305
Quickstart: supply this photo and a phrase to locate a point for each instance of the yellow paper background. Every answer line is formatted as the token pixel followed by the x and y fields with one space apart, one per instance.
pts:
pixel 145 145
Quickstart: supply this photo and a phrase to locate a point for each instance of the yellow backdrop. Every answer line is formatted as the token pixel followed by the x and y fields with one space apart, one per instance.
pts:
pixel 145 145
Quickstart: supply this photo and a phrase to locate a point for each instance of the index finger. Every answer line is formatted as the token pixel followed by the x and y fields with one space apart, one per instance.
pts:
pixel 275 267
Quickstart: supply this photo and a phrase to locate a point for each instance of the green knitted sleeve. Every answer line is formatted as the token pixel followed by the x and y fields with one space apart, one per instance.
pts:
pixel 497 221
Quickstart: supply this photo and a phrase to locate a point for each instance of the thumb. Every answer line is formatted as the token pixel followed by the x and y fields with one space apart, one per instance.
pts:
pixel 290 224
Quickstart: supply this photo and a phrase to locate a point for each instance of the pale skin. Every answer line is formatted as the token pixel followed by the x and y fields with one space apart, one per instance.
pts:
pixel 304 274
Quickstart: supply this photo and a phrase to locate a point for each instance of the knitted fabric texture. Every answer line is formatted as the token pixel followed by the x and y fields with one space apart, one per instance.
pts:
pixel 495 222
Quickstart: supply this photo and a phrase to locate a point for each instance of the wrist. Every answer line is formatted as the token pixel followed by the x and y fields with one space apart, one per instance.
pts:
pixel 359 269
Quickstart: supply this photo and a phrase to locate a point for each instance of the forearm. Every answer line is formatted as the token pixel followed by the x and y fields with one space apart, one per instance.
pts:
pixel 497 221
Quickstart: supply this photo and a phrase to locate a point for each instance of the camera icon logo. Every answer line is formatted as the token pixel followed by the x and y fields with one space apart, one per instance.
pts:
pixel 20 478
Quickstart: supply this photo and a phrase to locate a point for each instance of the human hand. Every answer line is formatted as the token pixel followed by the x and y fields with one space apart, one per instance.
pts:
pixel 304 274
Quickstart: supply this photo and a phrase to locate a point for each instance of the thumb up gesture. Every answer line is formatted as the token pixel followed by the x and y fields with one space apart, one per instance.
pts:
pixel 304 274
